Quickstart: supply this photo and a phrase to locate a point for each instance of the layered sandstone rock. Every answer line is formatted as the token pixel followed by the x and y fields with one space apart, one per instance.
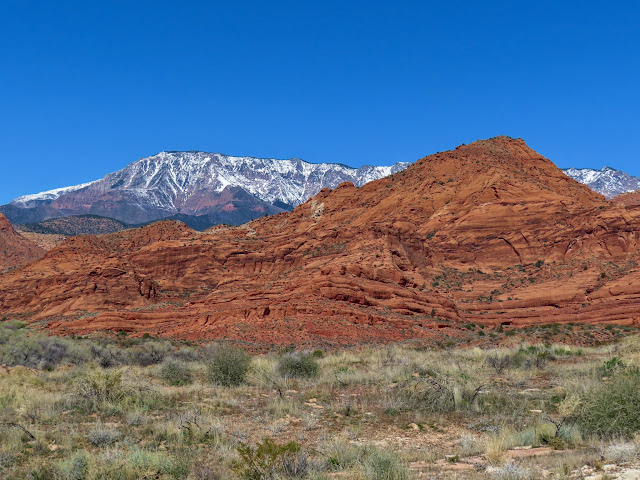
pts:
pixel 488 233
pixel 15 250
pixel 628 199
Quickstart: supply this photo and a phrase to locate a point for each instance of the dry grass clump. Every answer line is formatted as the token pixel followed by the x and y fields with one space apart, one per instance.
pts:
pixel 621 452
pixel 384 465
pixel 510 471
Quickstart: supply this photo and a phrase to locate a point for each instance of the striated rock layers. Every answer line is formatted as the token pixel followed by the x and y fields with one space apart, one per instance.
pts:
pixel 15 250
pixel 487 233
pixel 628 199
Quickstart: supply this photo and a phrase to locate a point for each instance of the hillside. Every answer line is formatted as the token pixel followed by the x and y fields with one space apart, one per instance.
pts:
pixel 628 199
pixel 490 232
pixel 15 250
pixel 75 225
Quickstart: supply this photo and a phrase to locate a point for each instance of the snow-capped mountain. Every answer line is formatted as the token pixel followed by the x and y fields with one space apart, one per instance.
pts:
pixel 195 184
pixel 607 181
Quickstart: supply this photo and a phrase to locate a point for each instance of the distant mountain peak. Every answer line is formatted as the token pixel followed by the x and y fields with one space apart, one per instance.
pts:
pixel 194 183
pixel 607 181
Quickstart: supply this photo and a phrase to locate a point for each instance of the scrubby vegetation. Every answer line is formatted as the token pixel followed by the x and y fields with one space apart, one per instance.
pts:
pixel 123 408
pixel 298 365
pixel 226 365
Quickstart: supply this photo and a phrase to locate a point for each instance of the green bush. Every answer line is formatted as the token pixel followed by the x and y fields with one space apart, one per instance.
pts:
pixel 268 460
pixel 226 365
pixel 176 373
pixel 612 408
pixel 75 468
pixel 106 390
pixel 381 465
pixel 298 365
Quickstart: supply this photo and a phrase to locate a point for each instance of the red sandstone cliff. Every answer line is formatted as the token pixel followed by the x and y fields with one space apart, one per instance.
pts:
pixel 489 232
pixel 15 250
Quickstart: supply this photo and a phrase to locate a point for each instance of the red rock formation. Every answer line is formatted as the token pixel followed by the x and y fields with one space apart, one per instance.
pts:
pixel 15 250
pixel 488 233
pixel 628 199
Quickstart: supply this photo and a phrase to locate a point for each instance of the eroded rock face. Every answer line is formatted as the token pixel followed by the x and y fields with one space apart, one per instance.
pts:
pixel 488 233
pixel 628 199
pixel 15 250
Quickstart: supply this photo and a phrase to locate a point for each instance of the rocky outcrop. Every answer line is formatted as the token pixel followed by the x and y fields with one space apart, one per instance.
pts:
pixel 15 250
pixel 628 199
pixel 489 233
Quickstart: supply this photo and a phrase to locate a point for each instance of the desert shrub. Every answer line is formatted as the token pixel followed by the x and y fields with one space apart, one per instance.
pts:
pixel 570 435
pixel 108 355
pixel 150 353
pixel 185 355
pixel 106 390
pixel 75 468
pixel 179 467
pixel 296 465
pixel 268 459
pixel 427 395
pixel 103 437
pixel 145 461
pixel 176 373
pixel 44 472
pixel 7 459
pixel 298 365
pixel 78 354
pixel 380 465
pixel 537 361
pixel 135 418
pixel 620 452
pixel 510 471
pixel 53 352
pixel 498 362
pixel 470 445
pixel 612 365
pixel 21 350
pixel 612 407
pixel 208 472
pixel 340 454
pixel 101 386
pixel 12 325
pixel 226 365
pixel 18 347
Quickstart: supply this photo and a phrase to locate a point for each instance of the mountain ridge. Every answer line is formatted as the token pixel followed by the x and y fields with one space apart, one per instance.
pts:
pixel 607 181
pixel 489 233
pixel 192 183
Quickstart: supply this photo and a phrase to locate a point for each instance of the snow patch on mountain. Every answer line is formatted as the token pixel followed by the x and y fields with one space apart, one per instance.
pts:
pixel 174 181
pixel 49 194
pixel 607 181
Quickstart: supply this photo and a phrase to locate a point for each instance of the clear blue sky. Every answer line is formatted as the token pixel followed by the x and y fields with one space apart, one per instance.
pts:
pixel 87 87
